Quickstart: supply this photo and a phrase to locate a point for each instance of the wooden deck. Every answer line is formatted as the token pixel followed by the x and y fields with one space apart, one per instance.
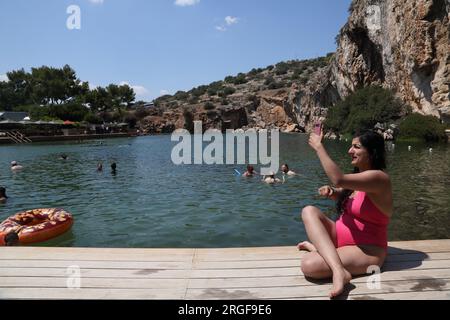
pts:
pixel 414 270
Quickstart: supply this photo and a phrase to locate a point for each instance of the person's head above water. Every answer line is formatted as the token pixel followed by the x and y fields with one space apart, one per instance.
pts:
pixel 285 168
pixel 14 163
pixel 3 192
pixel 64 156
pixel 250 169
pixel 113 166
pixel 368 151
pixel 11 239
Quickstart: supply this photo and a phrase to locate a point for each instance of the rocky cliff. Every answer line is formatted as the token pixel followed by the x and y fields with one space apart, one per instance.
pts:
pixel 402 45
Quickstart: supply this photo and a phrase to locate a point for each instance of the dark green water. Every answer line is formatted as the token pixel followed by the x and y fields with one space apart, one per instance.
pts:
pixel 152 203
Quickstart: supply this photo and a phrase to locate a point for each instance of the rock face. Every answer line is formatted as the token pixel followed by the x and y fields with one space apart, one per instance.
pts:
pixel 401 45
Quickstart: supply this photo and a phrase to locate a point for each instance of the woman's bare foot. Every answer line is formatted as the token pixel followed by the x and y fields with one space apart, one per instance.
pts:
pixel 340 279
pixel 306 246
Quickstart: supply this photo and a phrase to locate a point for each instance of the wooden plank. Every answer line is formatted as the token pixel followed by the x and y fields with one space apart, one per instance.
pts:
pixel 90 283
pixel 217 283
pixel 423 246
pixel 91 294
pixel 96 273
pixel 92 254
pixel 130 272
pixel 315 291
pixel 426 295
pixel 180 265
pixel 207 283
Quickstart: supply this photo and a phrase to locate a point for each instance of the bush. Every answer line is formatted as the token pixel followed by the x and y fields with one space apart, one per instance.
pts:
pixel 269 81
pixel 228 91
pixel 209 106
pixel 70 111
pixel 181 95
pixel 240 79
pixel 92 118
pixel 417 126
pixel 212 92
pixel 282 68
pixel 363 109
pixel 141 112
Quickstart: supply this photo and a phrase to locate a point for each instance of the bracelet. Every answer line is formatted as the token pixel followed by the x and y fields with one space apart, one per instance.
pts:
pixel 332 191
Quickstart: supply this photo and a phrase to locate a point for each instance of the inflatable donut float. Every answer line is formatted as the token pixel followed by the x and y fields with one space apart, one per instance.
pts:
pixel 36 225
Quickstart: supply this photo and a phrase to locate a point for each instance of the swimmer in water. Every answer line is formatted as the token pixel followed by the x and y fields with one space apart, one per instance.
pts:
pixel 250 172
pixel 286 171
pixel 99 167
pixel 15 166
pixel 64 157
pixel 271 179
pixel 3 196
pixel 113 168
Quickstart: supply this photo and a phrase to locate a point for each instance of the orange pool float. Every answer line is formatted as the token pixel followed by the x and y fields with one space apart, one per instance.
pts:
pixel 36 225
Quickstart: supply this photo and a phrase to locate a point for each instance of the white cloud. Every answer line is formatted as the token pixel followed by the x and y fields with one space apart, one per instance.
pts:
pixel 231 20
pixel 96 1
pixel 141 92
pixel 3 78
pixel 185 3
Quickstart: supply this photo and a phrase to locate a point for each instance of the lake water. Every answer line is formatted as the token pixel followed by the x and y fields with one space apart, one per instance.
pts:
pixel 152 203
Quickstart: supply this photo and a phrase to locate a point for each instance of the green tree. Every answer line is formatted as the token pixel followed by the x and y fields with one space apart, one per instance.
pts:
pixel 417 126
pixel 363 109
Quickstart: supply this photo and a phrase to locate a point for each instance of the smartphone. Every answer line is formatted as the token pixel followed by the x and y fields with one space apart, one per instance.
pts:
pixel 318 128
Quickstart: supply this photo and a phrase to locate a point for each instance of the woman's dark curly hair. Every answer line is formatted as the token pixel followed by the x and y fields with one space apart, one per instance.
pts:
pixel 374 143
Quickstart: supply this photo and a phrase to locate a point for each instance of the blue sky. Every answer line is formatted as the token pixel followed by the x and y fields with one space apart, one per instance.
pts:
pixel 160 46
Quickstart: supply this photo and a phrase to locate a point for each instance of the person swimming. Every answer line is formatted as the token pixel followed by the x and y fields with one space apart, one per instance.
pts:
pixel 113 168
pixel 15 166
pixel 286 171
pixel 250 172
pixel 3 196
pixel 99 167
pixel 64 157
pixel 271 179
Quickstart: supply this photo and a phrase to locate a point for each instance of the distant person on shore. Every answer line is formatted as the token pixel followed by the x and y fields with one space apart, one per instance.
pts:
pixel 271 179
pixel 11 239
pixel 286 171
pixel 15 166
pixel 113 168
pixel 3 196
pixel 250 172
pixel 99 167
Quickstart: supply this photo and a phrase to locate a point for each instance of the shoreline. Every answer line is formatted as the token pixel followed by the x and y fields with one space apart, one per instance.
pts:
pixel 8 141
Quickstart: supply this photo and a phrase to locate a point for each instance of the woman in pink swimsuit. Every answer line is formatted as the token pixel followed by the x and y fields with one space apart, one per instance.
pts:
pixel 358 240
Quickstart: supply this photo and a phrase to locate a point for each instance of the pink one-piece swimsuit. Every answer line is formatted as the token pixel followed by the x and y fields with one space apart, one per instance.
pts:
pixel 362 223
